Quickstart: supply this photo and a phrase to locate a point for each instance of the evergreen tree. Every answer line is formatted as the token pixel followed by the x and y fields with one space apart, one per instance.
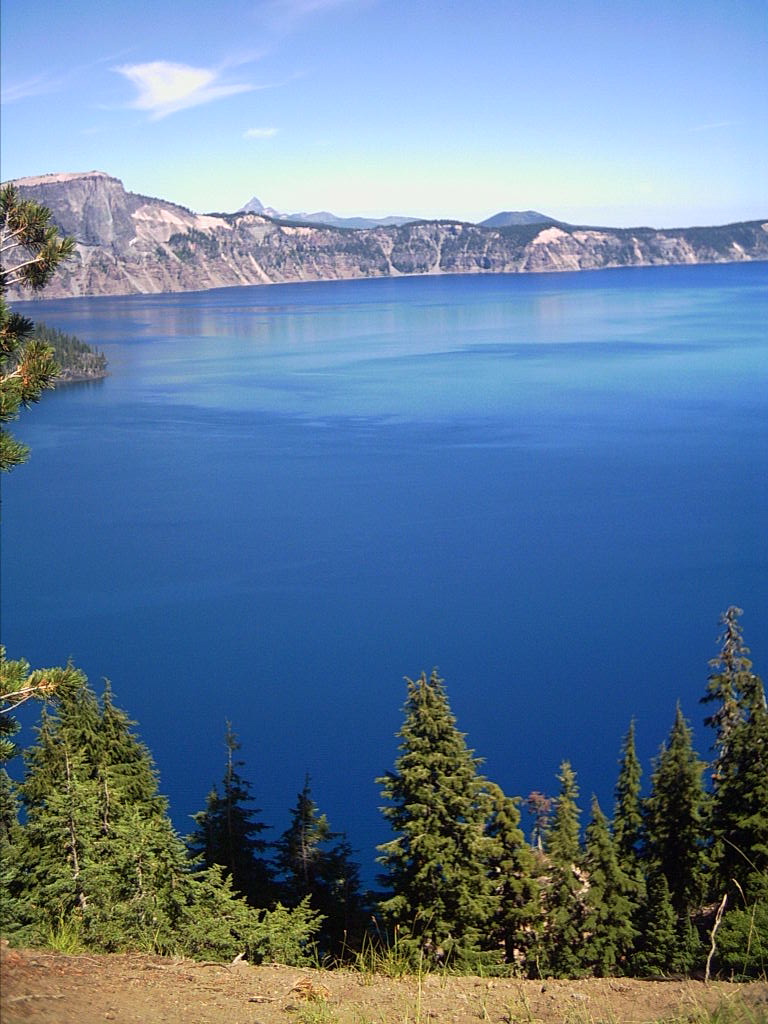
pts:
pixel 733 686
pixel 657 947
pixel 98 854
pixel 13 676
pixel 31 250
pixel 610 932
pixel 565 897
pixel 517 917
pixel 344 908
pixel 86 854
pixel 436 867
pixel 740 809
pixel 676 830
pixel 9 812
pixel 675 818
pixel 628 816
pixel 742 941
pixel 60 856
pixel 739 857
pixel 628 825
pixel 299 850
pixel 218 925
pixel 740 777
pixel 19 684
pixel 315 864
pixel 229 833
pixel 125 762
pixel 10 835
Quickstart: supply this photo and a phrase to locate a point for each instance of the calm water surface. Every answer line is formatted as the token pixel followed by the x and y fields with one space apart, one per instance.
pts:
pixel 286 498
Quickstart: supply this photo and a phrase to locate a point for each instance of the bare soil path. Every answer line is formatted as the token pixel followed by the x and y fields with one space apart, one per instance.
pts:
pixel 128 989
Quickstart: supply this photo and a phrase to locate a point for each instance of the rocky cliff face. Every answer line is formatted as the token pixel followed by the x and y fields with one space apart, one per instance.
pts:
pixel 128 243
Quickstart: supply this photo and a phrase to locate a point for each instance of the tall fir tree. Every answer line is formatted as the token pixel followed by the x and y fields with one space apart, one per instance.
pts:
pixel 628 814
pixel 628 826
pixel 740 776
pixel 657 949
pixel 10 838
pixel 739 821
pixel 677 830
pixel 516 924
pixel 315 863
pixel 299 850
pixel 732 686
pixel 436 867
pixel 740 811
pixel 609 929
pixel 98 850
pixel 675 818
pixel 566 894
pixel 125 762
pixel 229 833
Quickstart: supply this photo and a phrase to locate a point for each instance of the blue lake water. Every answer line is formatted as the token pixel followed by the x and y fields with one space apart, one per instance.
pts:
pixel 284 499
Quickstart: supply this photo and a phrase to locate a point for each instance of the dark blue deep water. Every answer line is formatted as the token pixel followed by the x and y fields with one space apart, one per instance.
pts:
pixel 284 499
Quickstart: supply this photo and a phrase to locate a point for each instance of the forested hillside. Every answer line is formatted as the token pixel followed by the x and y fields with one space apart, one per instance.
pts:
pixel 674 881
pixel 76 359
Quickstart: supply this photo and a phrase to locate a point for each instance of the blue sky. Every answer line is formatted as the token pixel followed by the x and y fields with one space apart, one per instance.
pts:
pixel 625 112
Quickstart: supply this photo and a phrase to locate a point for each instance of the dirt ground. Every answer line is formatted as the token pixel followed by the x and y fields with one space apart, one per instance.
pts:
pixel 51 987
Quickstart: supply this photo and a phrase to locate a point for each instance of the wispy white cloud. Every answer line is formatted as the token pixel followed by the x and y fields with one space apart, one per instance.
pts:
pixel 165 88
pixel 300 8
pixel 285 14
pixel 259 133
pixel 38 85
pixel 240 57
pixel 715 125
pixel 49 82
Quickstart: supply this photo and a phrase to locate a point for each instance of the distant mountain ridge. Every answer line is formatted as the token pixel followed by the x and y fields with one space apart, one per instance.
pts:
pixel 511 218
pixel 255 205
pixel 129 243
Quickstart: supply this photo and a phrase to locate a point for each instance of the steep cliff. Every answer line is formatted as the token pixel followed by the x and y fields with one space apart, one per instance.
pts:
pixel 130 243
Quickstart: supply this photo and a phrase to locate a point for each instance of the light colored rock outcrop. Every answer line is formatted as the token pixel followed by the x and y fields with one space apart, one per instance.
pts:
pixel 128 243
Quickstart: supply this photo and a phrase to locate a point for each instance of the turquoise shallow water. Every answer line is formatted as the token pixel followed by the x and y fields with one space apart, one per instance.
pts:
pixel 284 499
